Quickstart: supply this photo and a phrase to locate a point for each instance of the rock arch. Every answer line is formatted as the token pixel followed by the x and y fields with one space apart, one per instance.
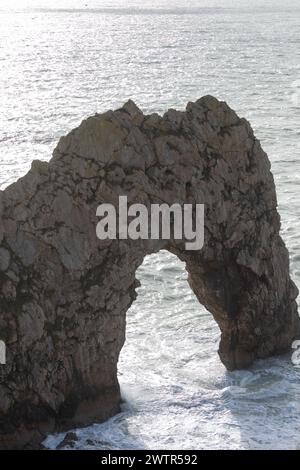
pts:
pixel 64 294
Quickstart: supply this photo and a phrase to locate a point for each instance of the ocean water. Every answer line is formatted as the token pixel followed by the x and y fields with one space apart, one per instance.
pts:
pixel 61 61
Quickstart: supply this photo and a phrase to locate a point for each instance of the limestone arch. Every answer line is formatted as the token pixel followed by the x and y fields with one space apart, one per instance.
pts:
pixel 64 294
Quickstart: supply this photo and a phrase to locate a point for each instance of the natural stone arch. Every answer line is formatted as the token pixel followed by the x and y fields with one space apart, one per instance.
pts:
pixel 64 293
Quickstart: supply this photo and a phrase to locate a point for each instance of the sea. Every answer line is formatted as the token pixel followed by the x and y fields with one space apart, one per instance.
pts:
pixel 63 60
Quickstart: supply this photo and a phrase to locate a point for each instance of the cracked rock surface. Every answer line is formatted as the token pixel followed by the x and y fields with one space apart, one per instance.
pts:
pixel 64 293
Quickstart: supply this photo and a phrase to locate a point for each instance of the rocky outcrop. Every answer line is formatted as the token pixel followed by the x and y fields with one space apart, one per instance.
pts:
pixel 64 293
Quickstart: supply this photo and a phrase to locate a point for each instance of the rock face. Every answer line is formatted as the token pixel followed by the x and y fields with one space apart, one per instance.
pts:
pixel 64 293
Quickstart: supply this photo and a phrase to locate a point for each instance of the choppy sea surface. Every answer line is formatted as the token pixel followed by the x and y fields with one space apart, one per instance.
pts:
pixel 61 61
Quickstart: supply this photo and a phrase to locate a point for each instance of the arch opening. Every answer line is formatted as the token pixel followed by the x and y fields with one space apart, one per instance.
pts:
pixel 169 334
